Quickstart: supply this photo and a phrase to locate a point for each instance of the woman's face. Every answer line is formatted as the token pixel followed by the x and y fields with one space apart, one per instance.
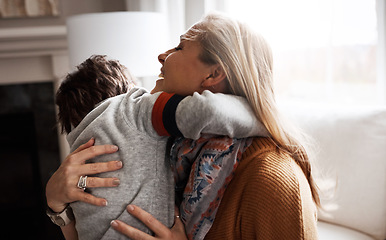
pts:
pixel 182 72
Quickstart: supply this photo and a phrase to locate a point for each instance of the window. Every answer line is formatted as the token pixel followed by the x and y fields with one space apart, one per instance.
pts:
pixel 325 51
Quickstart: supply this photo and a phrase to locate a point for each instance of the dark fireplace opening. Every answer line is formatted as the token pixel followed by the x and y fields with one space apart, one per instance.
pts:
pixel 29 154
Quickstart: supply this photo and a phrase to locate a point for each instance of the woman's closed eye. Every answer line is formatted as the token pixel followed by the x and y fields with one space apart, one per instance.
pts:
pixel 179 47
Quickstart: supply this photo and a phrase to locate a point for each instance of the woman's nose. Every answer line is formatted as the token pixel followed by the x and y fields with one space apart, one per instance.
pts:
pixel 162 57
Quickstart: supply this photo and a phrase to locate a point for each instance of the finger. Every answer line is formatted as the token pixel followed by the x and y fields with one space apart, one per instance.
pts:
pixel 151 222
pixel 94 168
pixel 94 151
pixel 178 227
pixel 129 231
pixel 93 182
pixel 88 198
pixel 84 146
pixel 91 152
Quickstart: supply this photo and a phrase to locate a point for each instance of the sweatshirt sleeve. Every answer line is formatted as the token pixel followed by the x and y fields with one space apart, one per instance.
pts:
pixel 220 114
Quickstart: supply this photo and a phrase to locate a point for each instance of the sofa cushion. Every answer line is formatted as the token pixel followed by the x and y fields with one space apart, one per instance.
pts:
pixel 351 157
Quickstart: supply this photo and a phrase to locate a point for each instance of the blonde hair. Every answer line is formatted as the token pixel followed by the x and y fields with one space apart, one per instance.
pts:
pixel 247 61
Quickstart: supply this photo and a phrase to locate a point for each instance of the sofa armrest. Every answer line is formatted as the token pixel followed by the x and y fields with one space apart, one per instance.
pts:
pixel 328 231
pixel 351 159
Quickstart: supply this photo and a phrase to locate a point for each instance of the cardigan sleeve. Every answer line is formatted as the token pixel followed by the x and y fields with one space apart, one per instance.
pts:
pixel 220 114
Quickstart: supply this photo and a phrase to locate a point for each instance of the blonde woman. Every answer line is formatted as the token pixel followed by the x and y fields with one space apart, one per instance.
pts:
pixel 272 194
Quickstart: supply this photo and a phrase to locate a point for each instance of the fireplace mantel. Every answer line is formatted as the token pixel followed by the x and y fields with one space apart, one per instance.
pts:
pixel 32 41
pixel 32 55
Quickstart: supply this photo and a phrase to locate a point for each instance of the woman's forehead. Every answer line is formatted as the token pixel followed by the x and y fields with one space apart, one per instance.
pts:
pixel 192 33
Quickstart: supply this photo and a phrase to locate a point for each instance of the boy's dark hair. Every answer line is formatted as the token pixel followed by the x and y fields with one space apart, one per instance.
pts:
pixel 95 80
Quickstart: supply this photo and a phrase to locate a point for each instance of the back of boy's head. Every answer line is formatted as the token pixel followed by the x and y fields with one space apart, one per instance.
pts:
pixel 95 80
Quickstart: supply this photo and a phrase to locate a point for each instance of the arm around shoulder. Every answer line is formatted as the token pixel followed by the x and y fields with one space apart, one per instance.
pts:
pixel 217 113
pixel 210 113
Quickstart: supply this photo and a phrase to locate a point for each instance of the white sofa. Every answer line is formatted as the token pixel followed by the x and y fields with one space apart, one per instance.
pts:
pixel 351 159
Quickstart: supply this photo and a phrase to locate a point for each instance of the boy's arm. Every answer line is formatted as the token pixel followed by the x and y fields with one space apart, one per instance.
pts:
pixel 219 114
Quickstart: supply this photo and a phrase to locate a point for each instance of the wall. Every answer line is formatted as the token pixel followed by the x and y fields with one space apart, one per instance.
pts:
pixel 35 49
pixel 66 8
pixel 29 43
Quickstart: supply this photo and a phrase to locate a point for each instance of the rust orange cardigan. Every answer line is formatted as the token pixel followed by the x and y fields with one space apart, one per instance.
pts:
pixel 268 198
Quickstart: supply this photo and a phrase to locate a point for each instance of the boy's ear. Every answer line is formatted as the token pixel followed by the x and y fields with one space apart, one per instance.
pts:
pixel 216 76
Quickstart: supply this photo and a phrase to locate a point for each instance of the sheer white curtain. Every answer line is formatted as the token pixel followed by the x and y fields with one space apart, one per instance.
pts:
pixel 381 53
pixel 325 51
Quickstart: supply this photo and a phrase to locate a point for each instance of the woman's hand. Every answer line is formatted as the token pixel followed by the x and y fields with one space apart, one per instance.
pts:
pixel 62 187
pixel 177 232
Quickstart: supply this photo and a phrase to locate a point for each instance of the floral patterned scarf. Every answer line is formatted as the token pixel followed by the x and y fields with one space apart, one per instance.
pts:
pixel 202 170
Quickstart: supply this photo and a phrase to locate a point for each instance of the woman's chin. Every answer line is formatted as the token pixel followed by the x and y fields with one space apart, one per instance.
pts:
pixel 157 87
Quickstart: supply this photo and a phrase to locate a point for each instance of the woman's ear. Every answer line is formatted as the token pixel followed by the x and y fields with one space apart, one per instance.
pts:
pixel 217 76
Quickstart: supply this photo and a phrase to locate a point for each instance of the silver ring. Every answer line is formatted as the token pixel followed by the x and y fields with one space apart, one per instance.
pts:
pixel 177 216
pixel 82 183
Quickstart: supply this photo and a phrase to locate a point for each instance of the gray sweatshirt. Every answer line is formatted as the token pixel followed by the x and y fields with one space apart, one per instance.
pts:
pixel 145 178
